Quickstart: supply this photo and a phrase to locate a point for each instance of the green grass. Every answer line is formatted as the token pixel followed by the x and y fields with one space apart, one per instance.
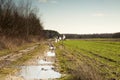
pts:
pixel 103 56
pixel 4 52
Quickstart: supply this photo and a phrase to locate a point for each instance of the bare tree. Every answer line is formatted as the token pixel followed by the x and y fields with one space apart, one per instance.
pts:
pixel 19 20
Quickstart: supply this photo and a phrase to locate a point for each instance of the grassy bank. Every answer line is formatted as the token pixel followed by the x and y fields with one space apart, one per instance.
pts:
pixel 89 59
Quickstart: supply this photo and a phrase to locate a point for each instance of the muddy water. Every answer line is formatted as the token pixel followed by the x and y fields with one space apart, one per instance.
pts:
pixel 39 72
pixel 43 69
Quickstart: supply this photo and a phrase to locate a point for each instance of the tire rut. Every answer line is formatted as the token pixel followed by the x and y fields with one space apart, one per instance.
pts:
pixel 7 59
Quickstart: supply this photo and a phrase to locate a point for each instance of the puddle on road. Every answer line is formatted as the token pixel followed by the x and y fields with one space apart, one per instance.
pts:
pixel 39 72
pixel 43 62
pixel 43 69
pixel 50 54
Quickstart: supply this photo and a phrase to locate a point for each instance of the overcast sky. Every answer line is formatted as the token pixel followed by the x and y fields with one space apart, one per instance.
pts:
pixel 80 16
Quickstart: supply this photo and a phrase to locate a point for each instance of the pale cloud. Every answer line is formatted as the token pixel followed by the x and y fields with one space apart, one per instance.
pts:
pixel 48 1
pixel 98 14
pixel 53 1
pixel 43 1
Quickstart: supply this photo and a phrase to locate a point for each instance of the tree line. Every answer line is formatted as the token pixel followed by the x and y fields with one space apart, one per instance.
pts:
pixel 19 19
pixel 81 36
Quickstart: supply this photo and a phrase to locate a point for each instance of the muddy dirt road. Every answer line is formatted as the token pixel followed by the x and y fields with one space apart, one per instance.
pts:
pixel 7 59
pixel 40 68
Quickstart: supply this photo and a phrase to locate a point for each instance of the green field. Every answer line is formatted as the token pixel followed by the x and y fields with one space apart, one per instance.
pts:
pixel 93 59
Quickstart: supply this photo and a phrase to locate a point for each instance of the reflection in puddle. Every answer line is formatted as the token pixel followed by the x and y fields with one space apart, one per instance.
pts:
pixel 50 54
pixel 39 72
pixel 42 62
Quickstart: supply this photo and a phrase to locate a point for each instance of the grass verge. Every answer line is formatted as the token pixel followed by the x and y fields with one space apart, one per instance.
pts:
pixel 73 66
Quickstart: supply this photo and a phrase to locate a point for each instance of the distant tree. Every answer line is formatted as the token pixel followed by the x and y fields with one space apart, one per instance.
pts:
pixel 51 33
pixel 116 35
pixel 79 36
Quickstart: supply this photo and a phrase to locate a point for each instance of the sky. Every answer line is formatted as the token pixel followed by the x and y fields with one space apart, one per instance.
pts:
pixel 80 16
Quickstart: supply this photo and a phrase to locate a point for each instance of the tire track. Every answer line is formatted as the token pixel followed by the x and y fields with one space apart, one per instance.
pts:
pixel 7 59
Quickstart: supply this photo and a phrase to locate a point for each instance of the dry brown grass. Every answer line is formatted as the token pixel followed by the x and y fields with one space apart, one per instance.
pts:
pixel 83 71
pixel 10 43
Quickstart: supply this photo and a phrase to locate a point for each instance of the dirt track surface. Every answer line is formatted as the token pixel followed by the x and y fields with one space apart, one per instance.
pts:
pixel 7 59
pixel 44 60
